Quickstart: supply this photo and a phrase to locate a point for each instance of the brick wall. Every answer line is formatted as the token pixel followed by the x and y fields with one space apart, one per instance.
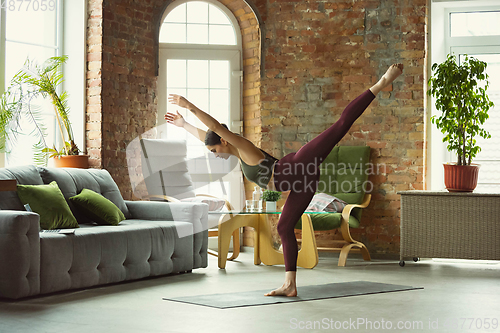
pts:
pixel 121 82
pixel 316 57
pixel 321 55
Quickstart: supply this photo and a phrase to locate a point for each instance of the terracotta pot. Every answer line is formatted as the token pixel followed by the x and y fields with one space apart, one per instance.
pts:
pixel 460 178
pixel 72 161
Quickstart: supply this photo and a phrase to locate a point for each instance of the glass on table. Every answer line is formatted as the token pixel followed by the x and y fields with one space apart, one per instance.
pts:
pixel 249 207
pixel 253 206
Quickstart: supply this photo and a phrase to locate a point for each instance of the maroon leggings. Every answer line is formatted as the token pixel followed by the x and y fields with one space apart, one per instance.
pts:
pixel 299 173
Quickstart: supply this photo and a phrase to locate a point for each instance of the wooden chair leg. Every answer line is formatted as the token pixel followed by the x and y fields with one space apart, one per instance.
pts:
pixel 365 252
pixel 351 243
pixel 346 234
pixel 344 253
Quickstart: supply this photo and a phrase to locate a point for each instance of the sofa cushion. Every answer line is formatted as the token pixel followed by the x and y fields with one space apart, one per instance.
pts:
pixel 214 204
pixel 328 221
pixel 25 175
pixel 72 181
pixel 48 202
pixel 97 207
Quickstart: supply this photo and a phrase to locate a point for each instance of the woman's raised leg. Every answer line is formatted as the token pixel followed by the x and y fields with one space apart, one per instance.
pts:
pixel 392 73
pixel 314 152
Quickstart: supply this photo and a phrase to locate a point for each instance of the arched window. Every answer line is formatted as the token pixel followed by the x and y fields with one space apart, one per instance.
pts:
pixel 200 58
pixel 198 23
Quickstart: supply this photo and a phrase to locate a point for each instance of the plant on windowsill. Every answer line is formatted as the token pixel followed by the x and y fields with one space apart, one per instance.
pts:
pixel 464 108
pixel 271 197
pixel 31 82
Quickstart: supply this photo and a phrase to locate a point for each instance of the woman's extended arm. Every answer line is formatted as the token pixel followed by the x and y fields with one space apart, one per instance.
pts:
pixel 195 131
pixel 205 118
pixel 179 121
pixel 247 150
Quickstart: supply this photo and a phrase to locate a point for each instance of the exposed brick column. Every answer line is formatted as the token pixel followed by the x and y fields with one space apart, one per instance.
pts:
pixel 129 82
pixel 121 82
pixel 93 125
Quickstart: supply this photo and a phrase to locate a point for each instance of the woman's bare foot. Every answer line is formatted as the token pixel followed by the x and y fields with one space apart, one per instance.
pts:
pixel 290 291
pixel 392 73
pixel 289 288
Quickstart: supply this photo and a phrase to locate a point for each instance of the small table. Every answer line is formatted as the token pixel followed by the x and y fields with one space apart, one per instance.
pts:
pixel 263 246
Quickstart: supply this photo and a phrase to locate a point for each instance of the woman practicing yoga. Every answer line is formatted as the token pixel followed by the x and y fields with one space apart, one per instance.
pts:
pixel 267 171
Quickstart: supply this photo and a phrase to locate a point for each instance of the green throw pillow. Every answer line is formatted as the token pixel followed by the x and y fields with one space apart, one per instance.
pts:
pixel 48 202
pixel 97 207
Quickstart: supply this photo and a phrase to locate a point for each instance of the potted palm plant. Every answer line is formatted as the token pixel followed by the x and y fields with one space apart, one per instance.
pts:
pixel 461 97
pixel 31 82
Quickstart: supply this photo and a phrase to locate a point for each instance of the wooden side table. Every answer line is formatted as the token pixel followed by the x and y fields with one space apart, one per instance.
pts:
pixel 263 248
pixel 450 225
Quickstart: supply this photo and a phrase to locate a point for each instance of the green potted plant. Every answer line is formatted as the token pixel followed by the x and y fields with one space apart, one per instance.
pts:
pixel 31 82
pixel 464 107
pixel 270 197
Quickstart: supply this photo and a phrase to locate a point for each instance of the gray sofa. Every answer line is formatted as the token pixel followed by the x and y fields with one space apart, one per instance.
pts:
pixel 157 238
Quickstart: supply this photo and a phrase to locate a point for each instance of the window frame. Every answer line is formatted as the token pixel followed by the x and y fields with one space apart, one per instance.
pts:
pixel 234 54
pixel 70 40
pixel 441 43
pixel 57 47
pixel 479 159
pixel 217 4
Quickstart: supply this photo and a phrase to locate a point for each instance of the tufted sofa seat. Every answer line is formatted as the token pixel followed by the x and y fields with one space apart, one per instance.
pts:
pixel 157 238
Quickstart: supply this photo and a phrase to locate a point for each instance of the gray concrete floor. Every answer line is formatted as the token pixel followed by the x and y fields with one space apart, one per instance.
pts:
pixel 456 294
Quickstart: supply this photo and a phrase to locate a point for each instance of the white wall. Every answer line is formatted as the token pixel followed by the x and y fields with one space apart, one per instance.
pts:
pixel 437 153
pixel 2 68
pixel 74 45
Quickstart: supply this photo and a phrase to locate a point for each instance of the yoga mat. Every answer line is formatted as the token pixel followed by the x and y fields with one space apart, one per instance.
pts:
pixel 306 293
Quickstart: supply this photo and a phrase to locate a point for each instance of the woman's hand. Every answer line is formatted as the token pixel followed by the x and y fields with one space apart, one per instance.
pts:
pixel 179 100
pixel 175 119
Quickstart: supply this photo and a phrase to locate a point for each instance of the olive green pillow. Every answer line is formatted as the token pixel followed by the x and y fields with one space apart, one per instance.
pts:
pixel 97 208
pixel 48 202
